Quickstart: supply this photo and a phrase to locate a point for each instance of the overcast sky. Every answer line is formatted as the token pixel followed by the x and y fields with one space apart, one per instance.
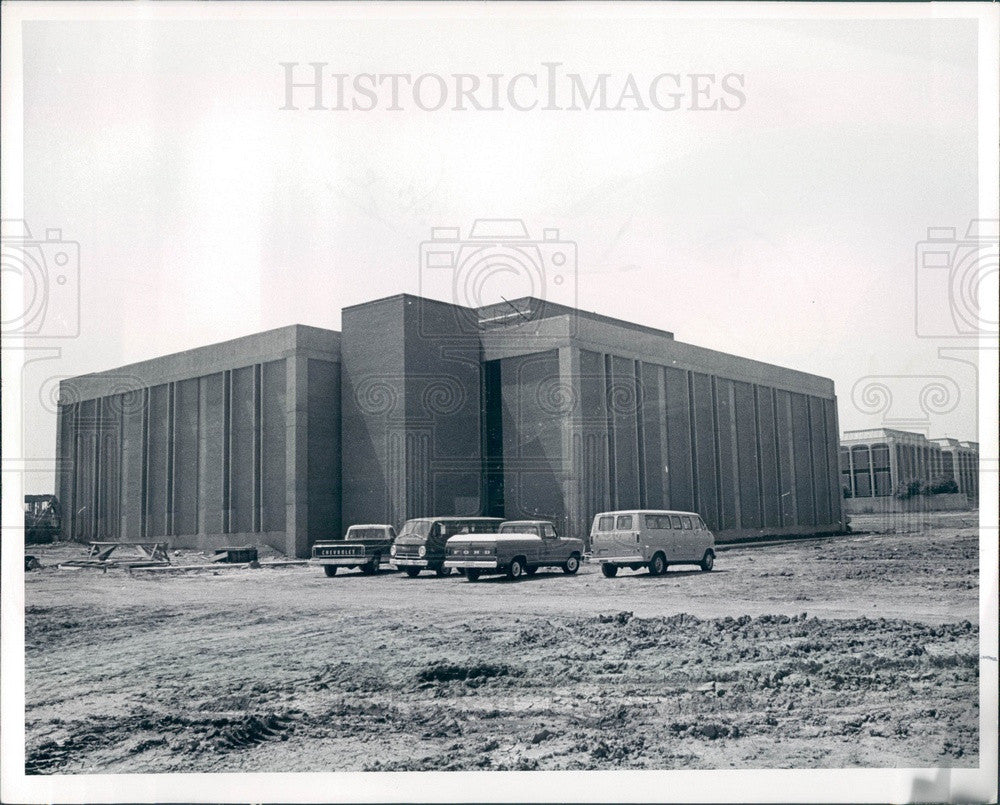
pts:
pixel 784 230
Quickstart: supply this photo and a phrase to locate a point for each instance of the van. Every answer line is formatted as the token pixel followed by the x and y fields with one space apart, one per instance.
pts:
pixel 651 539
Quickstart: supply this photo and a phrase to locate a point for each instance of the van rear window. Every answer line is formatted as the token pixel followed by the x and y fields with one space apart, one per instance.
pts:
pixel 606 524
pixel 624 522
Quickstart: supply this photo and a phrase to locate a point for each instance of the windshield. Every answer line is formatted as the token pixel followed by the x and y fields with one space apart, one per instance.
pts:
pixel 514 528
pixel 365 533
pixel 416 528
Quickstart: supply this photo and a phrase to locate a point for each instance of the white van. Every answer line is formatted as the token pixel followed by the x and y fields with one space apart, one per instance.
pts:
pixel 653 539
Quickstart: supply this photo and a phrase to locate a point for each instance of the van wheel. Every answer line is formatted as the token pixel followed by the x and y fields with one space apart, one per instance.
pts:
pixel 572 565
pixel 516 569
pixel 609 571
pixel 472 575
pixel 413 572
pixel 657 565
pixel 443 571
pixel 530 571
pixel 330 570
pixel 707 561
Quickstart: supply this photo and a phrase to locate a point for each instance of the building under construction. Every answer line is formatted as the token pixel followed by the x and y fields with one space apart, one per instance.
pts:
pixel 419 407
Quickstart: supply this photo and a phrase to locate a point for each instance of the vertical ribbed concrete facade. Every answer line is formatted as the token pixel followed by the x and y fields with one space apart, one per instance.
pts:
pixel 222 445
pixel 419 408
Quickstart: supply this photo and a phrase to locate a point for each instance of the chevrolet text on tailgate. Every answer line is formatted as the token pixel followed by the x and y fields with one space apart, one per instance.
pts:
pixel 651 539
pixel 521 547
pixel 421 543
pixel 364 546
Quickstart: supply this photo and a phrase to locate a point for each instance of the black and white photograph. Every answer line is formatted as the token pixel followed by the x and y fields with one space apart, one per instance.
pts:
pixel 467 402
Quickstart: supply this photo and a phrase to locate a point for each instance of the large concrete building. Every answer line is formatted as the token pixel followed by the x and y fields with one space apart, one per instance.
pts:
pixel 420 407
pixel 877 461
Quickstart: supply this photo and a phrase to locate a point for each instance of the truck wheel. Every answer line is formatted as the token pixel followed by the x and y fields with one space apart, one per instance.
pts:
pixel 472 575
pixel 372 567
pixel 531 571
pixel 330 570
pixel 609 571
pixel 413 572
pixel 707 561
pixel 657 565
pixel 572 565
pixel 516 569
pixel 443 571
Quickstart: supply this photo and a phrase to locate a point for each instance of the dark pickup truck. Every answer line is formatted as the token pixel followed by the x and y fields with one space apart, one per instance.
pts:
pixel 364 546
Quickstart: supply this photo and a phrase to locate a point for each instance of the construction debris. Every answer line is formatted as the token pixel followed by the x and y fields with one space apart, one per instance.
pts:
pixel 145 553
pixel 239 555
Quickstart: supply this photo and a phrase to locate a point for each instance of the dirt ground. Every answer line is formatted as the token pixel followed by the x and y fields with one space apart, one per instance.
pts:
pixel 853 651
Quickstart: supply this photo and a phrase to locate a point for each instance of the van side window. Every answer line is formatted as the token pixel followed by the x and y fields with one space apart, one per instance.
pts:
pixel 606 524
pixel 700 525
pixel 665 521
pixel 652 521
pixel 687 523
pixel 675 520
pixel 624 522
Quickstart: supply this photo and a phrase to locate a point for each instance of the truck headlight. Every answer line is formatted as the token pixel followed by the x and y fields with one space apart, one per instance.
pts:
pixel 421 551
pixel 392 550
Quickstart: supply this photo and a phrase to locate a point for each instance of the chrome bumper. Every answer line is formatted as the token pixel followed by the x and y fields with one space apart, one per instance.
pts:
pixel 407 562
pixel 617 560
pixel 340 561
pixel 478 564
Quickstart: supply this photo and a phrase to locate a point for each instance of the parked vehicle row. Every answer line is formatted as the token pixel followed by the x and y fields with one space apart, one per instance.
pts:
pixel 476 546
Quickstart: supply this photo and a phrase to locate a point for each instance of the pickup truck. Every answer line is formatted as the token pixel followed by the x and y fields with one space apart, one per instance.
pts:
pixel 364 546
pixel 520 548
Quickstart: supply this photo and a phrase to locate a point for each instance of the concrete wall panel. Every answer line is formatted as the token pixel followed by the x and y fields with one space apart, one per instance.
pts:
pixel 211 453
pixel 820 461
pixel 705 452
pixel 786 455
pixel 679 473
pixel 622 398
pixel 728 479
pixel 532 436
pixel 133 449
pixel 242 452
pixel 654 437
pixel 272 462
pixel 185 520
pixel 804 495
pixel 324 450
pixel 747 456
pixel 157 461
pixel 770 491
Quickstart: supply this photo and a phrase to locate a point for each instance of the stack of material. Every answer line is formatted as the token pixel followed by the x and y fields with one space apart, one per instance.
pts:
pixel 236 555
pixel 144 554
